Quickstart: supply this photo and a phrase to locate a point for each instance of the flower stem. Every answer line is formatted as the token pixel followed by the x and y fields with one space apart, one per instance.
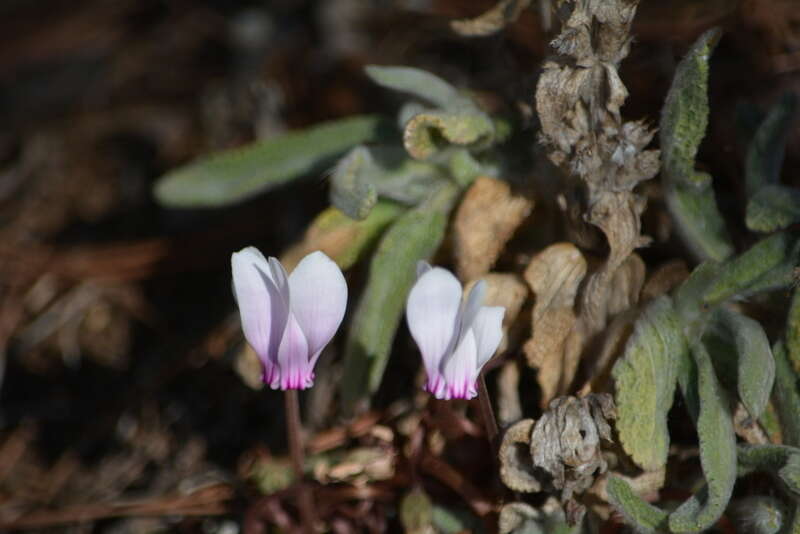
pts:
pixel 294 429
pixel 487 413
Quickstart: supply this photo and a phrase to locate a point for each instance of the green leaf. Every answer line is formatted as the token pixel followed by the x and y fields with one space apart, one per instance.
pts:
pixel 417 82
pixel 685 114
pixel 765 152
pixel 717 452
pixel 689 295
pixel 786 396
pixel 642 516
pixel 783 275
pixel 740 273
pixel 737 342
pixel 698 219
pixel 365 174
pixel 790 473
pixel 416 512
pixel 684 119
pixel 413 237
pixel 763 458
pixel 773 207
pixel 429 132
pixel 793 331
pixel 645 380
pixel 234 175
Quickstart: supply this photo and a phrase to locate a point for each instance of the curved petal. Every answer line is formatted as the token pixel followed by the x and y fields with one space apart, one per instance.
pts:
pixel 278 275
pixel 422 268
pixel 460 370
pixel 432 312
pixel 294 372
pixel 318 299
pixel 471 306
pixel 488 330
pixel 261 308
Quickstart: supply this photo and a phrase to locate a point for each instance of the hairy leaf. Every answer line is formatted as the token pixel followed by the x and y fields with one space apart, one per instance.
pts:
pixel 740 273
pixel 234 175
pixel 365 174
pixel 642 516
pixel 413 237
pixel 698 219
pixel 793 331
pixel 773 207
pixel 786 396
pixel 684 118
pixel 765 152
pixel 685 114
pixel 645 383
pixel 717 452
pixel 417 82
pixel 790 473
pixel 738 343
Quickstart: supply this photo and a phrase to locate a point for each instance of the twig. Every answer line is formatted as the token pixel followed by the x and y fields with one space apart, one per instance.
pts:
pixel 294 430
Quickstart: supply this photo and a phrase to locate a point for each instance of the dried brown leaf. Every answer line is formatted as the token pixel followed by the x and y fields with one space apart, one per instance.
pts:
pixel 492 21
pixel 507 290
pixel 626 285
pixel 516 465
pixel 486 219
pixel 555 275
pixel 664 279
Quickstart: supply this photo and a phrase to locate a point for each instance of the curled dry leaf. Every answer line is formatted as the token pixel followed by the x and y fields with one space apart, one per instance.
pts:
pixel 503 13
pixel 486 219
pixel 564 449
pixel 509 405
pixel 554 275
pixel 516 467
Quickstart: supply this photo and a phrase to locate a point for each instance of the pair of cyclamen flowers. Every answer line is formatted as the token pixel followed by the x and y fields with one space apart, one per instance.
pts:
pixel 289 319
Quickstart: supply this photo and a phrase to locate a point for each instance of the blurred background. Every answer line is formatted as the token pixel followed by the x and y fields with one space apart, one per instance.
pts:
pixel 125 405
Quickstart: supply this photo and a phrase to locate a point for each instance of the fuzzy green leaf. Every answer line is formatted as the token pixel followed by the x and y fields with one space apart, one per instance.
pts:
pixel 740 273
pixel 684 118
pixel 739 345
pixel 698 219
pixel 366 174
pixel 642 516
pixel 765 152
pixel 689 295
pixel 467 127
pixel 717 452
pixel 413 237
pixel 793 331
pixel 786 396
pixel 645 380
pixel 234 175
pixel 773 207
pixel 685 114
pixel 417 82
pixel 790 473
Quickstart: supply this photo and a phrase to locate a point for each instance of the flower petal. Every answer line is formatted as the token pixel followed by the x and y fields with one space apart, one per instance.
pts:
pixel 471 306
pixel 460 369
pixel 294 370
pixel 422 268
pixel 278 275
pixel 318 299
pixel 262 310
pixel 431 312
pixel 488 330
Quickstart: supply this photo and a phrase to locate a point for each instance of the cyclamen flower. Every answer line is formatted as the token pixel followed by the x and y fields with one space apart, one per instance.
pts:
pixel 288 320
pixel 456 339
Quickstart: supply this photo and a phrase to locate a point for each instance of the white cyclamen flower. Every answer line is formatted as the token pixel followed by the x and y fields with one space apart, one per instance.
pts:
pixel 455 338
pixel 288 320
